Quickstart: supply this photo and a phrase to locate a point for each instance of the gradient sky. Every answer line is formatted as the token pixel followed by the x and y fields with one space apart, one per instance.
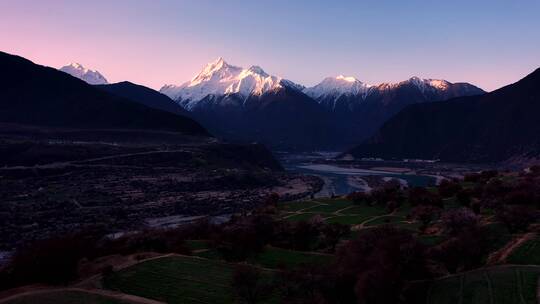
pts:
pixel 488 43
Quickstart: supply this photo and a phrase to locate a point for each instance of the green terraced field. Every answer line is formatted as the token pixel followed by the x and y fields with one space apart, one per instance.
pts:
pixel 363 210
pixel 347 219
pixel 303 216
pixel 176 279
pixel 65 297
pixel 295 206
pixel 334 210
pixel 330 207
pixel 273 257
pixel 497 285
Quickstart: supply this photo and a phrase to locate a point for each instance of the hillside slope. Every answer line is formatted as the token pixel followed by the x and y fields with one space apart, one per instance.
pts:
pixel 38 95
pixel 143 95
pixel 494 127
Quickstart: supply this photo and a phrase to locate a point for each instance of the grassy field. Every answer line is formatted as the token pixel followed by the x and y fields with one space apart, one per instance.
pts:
pixel 498 285
pixel 177 279
pixel 345 212
pixel 333 210
pixel 65 297
pixel 527 254
pixel 274 258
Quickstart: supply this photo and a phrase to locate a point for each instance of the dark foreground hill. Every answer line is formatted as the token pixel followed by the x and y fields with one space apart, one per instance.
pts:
pixel 38 95
pixel 145 96
pixel 498 126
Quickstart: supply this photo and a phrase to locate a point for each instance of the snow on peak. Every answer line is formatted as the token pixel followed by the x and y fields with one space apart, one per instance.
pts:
pixel 348 79
pixel 422 84
pixel 429 84
pixel 337 86
pixel 220 78
pixel 87 75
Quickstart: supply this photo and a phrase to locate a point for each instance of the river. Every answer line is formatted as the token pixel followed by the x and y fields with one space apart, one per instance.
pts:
pixel 343 180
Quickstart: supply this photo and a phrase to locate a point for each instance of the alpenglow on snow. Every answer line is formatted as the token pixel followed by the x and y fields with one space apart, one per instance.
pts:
pixel 79 71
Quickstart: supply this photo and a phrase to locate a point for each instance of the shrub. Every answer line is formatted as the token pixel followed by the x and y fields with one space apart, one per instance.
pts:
pixel 459 220
pixel 464 197
pixel 390 191
pixel 461 252
pixel 53 261
pixel 517 217
pixel 378 262
pixel 249 285
pixel 448 188
pixel 425 214
pixel 359 197
pixel 419 196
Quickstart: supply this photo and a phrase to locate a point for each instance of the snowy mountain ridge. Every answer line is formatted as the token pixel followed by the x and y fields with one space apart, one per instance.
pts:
pixel 87 75
pixel 335 87
pixel 220 78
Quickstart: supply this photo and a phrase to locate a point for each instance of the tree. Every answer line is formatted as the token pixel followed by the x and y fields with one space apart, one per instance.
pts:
pixel 459 220
pixel 464 197
pixel 420 196
pixel 461 252
pixel 377 263
pixel 304 235
pixel 517 217
pixel 359 197
pixel 331 234
pixel 245 237
pixel 53 261
pixel 448 188
pixel 389 191
pixel 425 214
pixel 250 285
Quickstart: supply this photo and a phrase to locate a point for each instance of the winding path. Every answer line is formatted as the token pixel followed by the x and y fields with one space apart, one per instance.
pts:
pixel 100 292
pixel 502 254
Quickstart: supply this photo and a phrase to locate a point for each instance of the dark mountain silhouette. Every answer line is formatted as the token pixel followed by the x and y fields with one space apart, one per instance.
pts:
pixel 494 127
pixel 362 115
pixel 37 95
pixel 144 96
pixel 281 119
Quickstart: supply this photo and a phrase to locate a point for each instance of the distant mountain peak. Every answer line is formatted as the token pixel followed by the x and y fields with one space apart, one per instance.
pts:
pixel 423 84
pixel 77 65
pixel 337 86
pixel 219 78
pixel 87 75
pixel 348 92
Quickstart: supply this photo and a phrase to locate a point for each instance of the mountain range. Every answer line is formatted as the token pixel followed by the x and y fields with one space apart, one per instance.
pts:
pixel 499 126
pixel 249 104
pixel 420 118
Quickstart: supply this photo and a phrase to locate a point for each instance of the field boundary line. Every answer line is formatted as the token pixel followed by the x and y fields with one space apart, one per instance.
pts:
pixel 100 292
pixel 490 286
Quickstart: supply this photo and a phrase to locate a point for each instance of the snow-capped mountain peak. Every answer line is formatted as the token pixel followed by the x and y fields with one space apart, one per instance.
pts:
pixel 424 84
pixel 79 71
pixel 337 86
pixel 220 78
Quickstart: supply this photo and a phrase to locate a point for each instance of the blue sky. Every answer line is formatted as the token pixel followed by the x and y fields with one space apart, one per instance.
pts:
pixel 488 43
